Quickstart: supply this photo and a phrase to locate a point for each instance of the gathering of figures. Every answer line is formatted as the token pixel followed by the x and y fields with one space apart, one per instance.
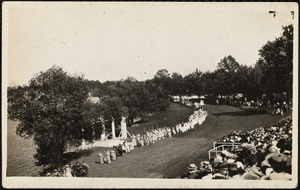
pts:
pixel 78 169
pixel 150 137
pixel 262 154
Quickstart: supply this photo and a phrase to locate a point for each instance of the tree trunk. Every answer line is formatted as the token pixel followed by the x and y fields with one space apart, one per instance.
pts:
pixel 62 155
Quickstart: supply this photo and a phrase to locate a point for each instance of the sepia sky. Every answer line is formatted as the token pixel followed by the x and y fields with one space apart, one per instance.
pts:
pixel 110 41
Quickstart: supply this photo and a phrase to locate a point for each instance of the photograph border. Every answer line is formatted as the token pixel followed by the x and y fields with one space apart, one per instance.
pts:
pixel 51 182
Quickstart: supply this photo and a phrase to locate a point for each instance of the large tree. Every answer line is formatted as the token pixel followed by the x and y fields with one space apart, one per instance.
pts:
pixel 53 110
pixel 177 84
pixel 226 76
pixel 246 82
pixel 207 85
pixel 276 64
pixel 192 83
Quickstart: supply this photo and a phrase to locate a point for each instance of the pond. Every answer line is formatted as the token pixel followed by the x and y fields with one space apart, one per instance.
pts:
pixel 20 151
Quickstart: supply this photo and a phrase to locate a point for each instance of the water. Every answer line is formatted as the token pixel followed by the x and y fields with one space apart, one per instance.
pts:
pixel 20 151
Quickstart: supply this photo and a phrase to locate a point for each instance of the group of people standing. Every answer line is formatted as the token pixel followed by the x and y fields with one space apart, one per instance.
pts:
pixel 110 155
pixel 160 133
pixel 150 137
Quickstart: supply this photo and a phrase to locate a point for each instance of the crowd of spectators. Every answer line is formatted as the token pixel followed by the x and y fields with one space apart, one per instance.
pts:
pixel 263 154
pixel 273 106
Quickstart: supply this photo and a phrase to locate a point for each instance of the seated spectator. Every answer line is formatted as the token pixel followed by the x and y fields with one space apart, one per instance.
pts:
pixel 252 171
pixel 280 165
pixel 257 157
pixel 221 173
pixel 192 173
pixel 205 168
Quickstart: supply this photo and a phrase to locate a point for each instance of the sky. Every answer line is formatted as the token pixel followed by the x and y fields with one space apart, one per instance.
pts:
pixel 111 41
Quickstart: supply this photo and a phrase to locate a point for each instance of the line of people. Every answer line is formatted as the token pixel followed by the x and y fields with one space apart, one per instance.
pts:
pixel 117 151
pixel 154 135
pixel 150 137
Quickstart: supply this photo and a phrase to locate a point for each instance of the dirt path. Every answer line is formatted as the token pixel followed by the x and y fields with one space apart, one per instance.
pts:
pixel 170 157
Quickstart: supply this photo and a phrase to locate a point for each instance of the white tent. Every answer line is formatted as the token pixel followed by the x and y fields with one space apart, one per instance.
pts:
pixel 194 97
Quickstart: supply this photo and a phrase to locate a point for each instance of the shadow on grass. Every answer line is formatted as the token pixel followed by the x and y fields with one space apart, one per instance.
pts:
pixel 69 157
pixel 242 113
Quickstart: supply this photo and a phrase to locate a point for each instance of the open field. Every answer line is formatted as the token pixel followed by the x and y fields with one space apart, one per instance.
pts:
pixel 167 158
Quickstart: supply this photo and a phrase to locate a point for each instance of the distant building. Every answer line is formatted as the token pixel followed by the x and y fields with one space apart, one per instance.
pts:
pixel 93 99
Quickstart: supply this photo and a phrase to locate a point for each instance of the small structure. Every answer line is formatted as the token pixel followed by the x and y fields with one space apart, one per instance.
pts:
pixel 93 99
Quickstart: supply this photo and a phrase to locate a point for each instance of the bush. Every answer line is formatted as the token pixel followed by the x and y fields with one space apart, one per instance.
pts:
pixel 79 170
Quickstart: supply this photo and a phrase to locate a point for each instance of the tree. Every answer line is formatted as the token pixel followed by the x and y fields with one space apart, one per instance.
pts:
pixel 192 82
pixel 162 78
pixel 111 107
pixel 226 76
pixel 94 87
pixel 162 73
pixel 207 83
pixel 276 63
pixel 138 97
pixel 246 81
pixel 228 64
pixel 54 111
pixel 158 98
pixel 177 84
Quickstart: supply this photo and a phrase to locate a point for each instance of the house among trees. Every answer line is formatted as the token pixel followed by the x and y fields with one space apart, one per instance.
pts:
pixel 93 99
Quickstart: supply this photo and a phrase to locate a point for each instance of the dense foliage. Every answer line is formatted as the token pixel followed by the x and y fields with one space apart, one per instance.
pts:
pixel 52 110
pixel 272 74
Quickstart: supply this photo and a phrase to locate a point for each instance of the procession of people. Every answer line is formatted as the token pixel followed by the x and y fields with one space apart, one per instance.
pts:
pixel 150 137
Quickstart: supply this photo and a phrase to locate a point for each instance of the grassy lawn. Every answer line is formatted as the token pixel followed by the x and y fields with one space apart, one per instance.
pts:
pixel 170 157
pixel 176 113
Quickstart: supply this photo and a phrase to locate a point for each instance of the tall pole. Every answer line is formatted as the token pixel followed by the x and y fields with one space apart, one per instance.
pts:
pixel 113 129
pixel 123 127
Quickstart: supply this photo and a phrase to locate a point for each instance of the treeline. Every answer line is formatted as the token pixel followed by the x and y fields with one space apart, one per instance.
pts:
pixel 270 76
pixel 129 97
